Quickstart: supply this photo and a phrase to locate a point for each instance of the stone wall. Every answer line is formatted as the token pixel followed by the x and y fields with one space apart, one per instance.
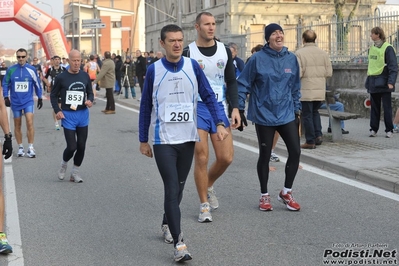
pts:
pixel 348 82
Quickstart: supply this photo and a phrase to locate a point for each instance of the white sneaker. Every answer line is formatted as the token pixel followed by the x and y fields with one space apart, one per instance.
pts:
pixel 31 153
pixel 274 157
pixel 61 172
pixel 166 234
pixel 373 133
pixel 212 199
pixel 389 134
pixel 205 215
pixel 75 177
pixel 181 253
pixel 21 152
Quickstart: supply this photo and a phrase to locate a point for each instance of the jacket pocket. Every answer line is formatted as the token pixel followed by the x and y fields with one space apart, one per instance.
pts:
pixel 381 82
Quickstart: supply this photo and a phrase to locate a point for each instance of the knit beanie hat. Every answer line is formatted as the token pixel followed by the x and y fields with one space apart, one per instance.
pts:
pixel 269 29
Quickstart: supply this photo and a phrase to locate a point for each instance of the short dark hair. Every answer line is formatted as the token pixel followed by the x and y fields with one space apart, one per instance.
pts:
pixel 91 57
pixel 107 54
pixel 169 28
pixel 22 50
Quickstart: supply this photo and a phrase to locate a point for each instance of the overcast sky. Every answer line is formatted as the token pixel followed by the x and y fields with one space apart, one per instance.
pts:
pixel 14 36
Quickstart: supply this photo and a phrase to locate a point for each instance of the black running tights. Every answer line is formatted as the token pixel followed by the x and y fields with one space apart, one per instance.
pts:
pixel 289 133
pixel 174 163
pixel 76 141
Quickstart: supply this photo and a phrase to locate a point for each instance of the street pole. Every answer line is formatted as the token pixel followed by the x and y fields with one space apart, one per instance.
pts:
pixel 96 30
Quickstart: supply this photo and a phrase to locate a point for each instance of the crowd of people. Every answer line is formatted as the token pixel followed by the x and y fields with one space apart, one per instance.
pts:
pixel 214 91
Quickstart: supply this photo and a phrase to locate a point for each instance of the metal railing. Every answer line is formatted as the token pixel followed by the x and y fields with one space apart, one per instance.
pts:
pixel 347 42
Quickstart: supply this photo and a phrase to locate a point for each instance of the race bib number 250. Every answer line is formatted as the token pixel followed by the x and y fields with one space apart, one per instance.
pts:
pixel 179 112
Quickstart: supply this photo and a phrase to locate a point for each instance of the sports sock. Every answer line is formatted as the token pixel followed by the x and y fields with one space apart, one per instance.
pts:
pixel 286 190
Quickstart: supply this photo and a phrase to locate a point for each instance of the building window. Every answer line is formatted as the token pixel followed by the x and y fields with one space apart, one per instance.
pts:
pixel 116 24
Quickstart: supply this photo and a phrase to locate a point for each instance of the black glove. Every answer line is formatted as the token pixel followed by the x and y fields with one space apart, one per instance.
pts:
pixel 7 146
pixel 243 121
pixel 7 101
pixel 39 103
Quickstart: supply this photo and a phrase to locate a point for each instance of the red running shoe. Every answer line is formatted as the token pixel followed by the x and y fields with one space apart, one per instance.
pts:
pixel 289 201
pixel 264 203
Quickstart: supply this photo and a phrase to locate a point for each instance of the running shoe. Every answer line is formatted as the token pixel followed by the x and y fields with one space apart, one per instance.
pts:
pixel 389 134
pixel 61 172
pixel 57 126
pixel 205 215
pixel 166 234
pixel 21 152
pixel 274 158
pixel 372 133
pixel 181 252
pixel 212 199
pixel 75 177
pixel 5 248
pixel 31 153
pixel 289 201
pixel 264 203
pixel 395 129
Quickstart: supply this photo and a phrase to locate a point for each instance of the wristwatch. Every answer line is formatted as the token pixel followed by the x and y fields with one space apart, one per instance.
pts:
pixel 221 123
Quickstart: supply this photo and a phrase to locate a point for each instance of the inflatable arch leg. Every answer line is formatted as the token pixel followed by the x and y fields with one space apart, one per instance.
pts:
pixel 38 22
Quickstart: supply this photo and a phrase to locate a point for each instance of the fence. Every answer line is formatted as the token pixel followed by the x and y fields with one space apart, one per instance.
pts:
pixel 347 42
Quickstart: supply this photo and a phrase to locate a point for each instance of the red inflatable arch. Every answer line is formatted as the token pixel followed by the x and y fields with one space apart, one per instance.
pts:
pixel 38 22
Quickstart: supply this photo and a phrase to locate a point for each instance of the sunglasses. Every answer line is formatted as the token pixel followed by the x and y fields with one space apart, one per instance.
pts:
pixel 21 56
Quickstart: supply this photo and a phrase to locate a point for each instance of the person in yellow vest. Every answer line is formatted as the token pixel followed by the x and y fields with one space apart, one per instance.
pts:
pixel 380 83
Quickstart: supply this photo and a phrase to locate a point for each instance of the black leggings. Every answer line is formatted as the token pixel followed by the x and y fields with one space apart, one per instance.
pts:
pixel 174 163
pixel 76 141
pixel 289 133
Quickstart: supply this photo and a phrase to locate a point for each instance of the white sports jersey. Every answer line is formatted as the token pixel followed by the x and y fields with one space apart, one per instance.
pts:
pixel 213 67
pixel 174 99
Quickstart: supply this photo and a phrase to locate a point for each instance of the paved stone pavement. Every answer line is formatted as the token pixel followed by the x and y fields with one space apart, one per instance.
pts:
pixel 371 160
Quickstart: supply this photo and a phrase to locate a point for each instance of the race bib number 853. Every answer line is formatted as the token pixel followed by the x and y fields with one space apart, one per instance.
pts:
pixel 74 97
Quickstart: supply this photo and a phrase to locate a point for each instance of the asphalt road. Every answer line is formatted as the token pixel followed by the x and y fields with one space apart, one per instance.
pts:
pixel 114 217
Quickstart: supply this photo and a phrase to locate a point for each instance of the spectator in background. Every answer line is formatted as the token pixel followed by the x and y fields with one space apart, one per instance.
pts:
pixel 3 70
pixel 158 56
pixel 380 83
pixel 141 68
pixel 129 73
pixel 254 50
pixel 152 55
pixel 315 68
pixel 118 74
pixel 237 62
pixel 107 81
pixel 98 60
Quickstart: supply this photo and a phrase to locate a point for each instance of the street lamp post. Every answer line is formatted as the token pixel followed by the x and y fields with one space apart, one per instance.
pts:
pixel 43 3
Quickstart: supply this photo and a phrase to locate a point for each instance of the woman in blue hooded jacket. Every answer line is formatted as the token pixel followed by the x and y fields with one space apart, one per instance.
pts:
pixel 271 78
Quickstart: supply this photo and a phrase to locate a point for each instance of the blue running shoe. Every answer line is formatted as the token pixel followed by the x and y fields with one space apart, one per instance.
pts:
pixel 5 248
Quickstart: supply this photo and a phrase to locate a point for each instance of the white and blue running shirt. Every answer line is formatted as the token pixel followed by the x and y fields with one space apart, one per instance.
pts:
pixel 174 99
pixel 213 67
